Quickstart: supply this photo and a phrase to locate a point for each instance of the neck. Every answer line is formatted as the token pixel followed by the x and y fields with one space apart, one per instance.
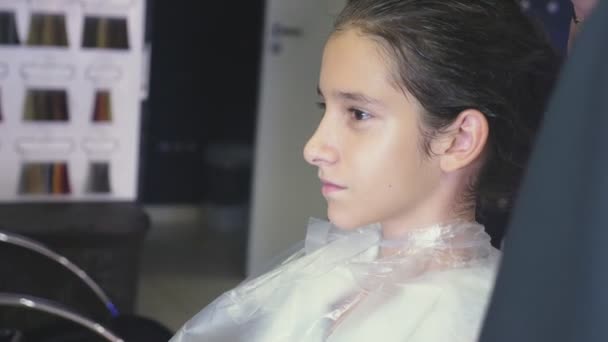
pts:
pixel 437 208
pixel 395 229
pixel 440 205
pixel 447 234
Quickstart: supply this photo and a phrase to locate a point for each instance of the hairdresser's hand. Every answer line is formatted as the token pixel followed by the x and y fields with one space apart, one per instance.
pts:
pixel 582 10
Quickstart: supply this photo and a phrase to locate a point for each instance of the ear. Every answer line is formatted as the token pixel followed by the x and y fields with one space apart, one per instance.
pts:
pixel 464 141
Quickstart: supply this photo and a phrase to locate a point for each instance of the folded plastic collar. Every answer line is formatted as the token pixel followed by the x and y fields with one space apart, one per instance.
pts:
pixel 457 235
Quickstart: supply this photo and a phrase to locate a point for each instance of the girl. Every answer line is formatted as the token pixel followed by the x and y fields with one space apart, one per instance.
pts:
pixel 430 108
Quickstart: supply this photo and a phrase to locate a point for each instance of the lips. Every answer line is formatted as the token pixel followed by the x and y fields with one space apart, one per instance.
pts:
pixel 329 187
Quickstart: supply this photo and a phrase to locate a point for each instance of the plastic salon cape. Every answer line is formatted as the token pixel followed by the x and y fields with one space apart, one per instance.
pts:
pixel 433 284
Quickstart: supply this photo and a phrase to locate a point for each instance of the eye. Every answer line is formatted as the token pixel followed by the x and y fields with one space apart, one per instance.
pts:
pixel 359 115
pixel 321 105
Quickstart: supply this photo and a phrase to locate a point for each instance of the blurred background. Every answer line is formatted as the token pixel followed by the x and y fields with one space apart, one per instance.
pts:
pixel 158 145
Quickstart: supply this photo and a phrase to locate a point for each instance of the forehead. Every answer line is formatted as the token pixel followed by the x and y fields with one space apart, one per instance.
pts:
pixel 354 60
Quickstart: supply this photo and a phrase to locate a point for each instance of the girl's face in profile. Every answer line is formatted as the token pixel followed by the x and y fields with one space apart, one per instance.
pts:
pixel 367 145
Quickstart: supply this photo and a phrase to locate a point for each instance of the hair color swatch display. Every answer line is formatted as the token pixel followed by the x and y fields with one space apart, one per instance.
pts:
pixel 99 178
pixel 45 179
pixel 102 109
pixel 69 70
pixel 46 105
pixel 8 29
pixel 47 30
pixel 105 33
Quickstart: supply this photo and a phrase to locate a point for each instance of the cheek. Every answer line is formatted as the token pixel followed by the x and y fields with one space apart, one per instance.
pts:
pixel 382 185
pixel 380 170
pixel 397 169
pixel 396 178
pixel 395 157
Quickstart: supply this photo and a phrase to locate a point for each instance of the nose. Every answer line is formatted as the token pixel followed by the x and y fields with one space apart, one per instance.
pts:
pixel 320 150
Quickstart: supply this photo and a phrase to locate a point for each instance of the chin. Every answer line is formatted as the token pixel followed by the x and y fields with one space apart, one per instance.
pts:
pixel 344 220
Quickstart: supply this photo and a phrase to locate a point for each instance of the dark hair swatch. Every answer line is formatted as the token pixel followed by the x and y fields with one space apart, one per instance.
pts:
pixel 8 29
pixel 47 30
pixel 105 33
pixel 102 108
pixel 44 179
pixel 99 178
pixel 46 105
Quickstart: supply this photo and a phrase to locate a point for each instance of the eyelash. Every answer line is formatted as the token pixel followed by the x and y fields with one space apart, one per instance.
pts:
pixel 353 111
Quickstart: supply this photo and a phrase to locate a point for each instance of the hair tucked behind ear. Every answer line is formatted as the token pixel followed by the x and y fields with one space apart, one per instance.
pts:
pixel 453 55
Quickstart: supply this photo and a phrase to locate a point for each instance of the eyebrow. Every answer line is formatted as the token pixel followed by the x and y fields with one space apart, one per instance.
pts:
pixel 357 97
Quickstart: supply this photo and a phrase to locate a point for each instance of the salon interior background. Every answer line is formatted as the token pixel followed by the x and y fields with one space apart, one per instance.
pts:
pixel 231 101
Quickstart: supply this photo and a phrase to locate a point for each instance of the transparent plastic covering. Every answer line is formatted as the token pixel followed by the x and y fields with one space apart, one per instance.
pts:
pixel 431 284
